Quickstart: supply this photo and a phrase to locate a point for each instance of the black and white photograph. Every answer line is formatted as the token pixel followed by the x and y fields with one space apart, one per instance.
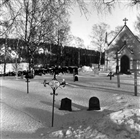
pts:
pixel 69 69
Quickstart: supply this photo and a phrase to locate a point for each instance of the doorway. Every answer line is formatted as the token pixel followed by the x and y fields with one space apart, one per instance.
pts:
pixel 125 64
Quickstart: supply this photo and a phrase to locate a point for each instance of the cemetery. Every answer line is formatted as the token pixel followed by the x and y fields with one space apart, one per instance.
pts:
pixel 69 69
pixel 76 102
pixel 89 107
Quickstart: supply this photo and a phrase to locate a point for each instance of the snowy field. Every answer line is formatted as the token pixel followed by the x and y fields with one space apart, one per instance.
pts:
pixel 28 116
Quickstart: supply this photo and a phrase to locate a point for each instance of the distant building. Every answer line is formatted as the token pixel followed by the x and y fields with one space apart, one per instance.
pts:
pixel 124 47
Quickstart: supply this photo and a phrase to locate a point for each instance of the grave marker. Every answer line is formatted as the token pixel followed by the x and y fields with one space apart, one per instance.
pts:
pixel 111 75
pixel 66 104
pixel 94 104
pixel 75 78
pixel 28 76
pixel 75 75
pixel 54 84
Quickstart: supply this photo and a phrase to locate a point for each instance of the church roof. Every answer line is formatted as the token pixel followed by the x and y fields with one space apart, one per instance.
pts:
pixel 125 31
pixel 125 47
pixel 125 39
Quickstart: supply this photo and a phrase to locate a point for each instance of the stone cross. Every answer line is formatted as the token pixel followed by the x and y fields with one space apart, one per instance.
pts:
pixel 125 20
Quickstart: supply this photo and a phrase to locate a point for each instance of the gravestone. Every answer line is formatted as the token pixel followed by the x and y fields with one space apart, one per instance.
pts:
pixel 94 104
pixel 75 78
pixel 29 75
pixel 110 75
pixel 66 104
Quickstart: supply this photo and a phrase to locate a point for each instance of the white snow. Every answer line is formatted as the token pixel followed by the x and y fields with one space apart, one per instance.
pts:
pixel 86 68
pixel 15 121
pixel 29 115
pixel 124 124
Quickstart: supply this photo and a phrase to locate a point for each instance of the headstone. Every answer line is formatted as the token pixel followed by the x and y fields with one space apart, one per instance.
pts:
pixel 111 75
pixel 66 104
pixel 29 75
pixel 94 103
pixel 75 78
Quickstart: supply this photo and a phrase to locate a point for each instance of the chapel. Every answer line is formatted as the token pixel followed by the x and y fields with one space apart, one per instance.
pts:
pixel 123 53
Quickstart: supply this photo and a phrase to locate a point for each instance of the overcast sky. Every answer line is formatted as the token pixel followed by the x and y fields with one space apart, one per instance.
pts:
pixel 81 26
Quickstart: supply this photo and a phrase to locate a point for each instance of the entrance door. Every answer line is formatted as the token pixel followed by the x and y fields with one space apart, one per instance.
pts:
pixel 125 64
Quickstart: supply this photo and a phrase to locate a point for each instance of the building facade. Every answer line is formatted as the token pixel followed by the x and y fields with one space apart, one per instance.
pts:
pixel 123 52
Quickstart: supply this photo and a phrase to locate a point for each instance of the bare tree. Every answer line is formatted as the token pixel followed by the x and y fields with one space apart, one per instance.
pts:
pixel 98 38
pixel 6 27
pixel 100 5
pixel 79 43
pixel 113 33
pixel 137 25
pixel 37 21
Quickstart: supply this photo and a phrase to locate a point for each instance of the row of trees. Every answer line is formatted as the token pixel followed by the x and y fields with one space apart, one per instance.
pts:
pixel 34 22
pixel 50 55
pixel 44 21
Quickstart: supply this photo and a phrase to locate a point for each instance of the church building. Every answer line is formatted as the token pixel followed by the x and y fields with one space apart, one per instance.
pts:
pixel 123 52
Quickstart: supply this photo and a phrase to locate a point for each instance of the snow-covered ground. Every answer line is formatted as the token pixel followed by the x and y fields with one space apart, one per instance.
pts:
pixel 29 115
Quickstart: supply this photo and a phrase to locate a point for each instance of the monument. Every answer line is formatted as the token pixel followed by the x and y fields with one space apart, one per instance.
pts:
pixel 66 104
pixel 94 104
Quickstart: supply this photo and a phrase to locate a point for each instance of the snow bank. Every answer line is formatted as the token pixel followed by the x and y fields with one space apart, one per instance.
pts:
pixel 129 119
pixel 10 67
pixel 13 120
pixel 124 124
pixel 86 68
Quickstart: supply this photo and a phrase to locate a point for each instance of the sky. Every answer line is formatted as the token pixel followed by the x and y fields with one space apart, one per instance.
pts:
pixel 81 26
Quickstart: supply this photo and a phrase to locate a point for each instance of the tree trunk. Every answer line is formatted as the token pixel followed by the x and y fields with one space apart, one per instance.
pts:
pixel 5 57
pixel 79 57
pixel 99 64
pixel 4 67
